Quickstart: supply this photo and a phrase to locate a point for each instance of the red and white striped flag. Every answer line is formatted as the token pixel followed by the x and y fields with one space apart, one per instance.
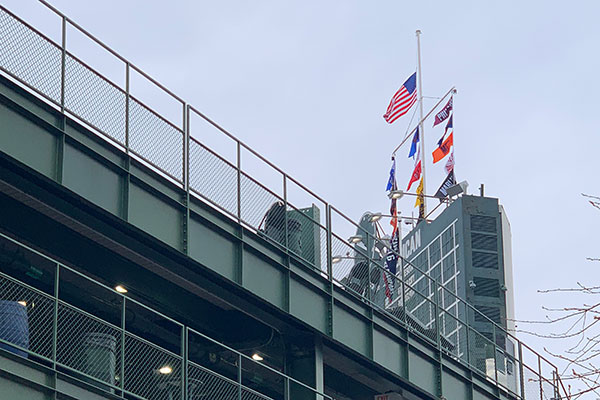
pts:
pixel 403 100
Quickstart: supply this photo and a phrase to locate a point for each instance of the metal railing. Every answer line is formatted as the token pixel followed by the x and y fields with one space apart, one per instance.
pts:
pixel 114 351
pixel 177 151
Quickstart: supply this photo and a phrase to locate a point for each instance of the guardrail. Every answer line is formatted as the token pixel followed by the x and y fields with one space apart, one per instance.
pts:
pixel 226 180
pixel 117 351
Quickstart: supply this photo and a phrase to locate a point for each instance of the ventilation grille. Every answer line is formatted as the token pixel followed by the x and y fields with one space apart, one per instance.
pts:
pixel 492 313
pixel 480 241
pixel 483 224
pixel 485 260
pixel 486 287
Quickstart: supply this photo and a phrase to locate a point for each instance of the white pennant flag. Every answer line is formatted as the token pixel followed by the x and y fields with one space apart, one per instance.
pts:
pixel 450 163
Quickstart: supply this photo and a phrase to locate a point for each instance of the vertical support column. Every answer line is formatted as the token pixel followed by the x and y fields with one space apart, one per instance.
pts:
pixel 304 362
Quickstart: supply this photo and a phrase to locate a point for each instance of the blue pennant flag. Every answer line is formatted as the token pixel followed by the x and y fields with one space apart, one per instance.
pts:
pixel 415 141
pixel 391 185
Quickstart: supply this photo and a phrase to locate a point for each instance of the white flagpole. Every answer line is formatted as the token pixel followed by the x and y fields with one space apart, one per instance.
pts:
pixel 421 129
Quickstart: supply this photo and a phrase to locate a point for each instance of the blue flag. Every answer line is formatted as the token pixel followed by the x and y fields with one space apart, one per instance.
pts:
pixel 415 141
pixel 391 185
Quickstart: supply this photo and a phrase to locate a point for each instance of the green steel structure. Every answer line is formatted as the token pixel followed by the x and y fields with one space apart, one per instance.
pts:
pixel 233 292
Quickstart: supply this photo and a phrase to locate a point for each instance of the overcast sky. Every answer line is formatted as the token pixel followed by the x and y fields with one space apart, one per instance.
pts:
pixel 306 83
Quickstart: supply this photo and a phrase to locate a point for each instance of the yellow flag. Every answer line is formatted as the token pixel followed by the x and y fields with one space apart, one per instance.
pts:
pixel 419 200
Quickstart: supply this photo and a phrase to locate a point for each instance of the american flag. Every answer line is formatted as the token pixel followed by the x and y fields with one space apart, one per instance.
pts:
pixel 403 100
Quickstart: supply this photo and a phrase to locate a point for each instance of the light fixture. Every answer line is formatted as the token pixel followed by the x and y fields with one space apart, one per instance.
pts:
pixel 457 189
pixel 355 239
pixel 472 285
pixel 396 194
pixel 120 289
pixel 257 357
pixel 375 217
pixel 336 259
pixel 22 302
pixel 166 370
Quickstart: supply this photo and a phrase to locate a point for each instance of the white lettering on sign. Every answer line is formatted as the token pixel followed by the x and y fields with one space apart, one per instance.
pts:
pixel 411 245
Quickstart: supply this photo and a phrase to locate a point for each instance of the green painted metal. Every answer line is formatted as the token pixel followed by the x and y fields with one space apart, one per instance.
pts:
pixel 216 243
pixel 150 192
pixel 18 134
pixel 139 359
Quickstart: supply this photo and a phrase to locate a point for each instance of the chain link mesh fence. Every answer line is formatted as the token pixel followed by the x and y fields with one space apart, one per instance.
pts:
pixel 213 178
pixel 88 345
pixel 205 384
pixel 151 372
pixel 30 57
pixel 262 210
pixel 94 99
pixel 155 139
pixel 25 319
pixel 531 381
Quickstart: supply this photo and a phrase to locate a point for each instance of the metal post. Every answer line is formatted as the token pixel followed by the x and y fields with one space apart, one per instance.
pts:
pixel 123 314
pixel 239 360
pixel 438 335
pixel 285 215
pixel 239 182
pixel 540 377
pixel 184 367
pixel 521 372
pixel 421 129
pixel 495 358
pixel 63 65
pixel 55 319
pixel 286 388
pixel 127 71
pixel 329 243
pixel 186 176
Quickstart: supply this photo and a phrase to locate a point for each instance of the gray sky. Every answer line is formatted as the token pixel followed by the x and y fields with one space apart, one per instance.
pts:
pixel 306 83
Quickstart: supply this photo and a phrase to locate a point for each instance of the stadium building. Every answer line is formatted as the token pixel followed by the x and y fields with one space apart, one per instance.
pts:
pixel 137 262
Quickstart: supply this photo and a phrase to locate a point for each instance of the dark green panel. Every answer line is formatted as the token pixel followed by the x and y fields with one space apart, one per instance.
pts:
pixel 263 279
pixel 454 388
pixel 387 352
pixel 27 142
pixel 352 330
pixel 98 144
pixel 307 305
pixel 212 249
pixel 92 180
pixel 17 391
pixel 155 216
pixel 422 372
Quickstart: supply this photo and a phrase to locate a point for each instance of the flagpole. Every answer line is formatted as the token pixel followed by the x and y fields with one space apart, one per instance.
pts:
pixel 421 129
